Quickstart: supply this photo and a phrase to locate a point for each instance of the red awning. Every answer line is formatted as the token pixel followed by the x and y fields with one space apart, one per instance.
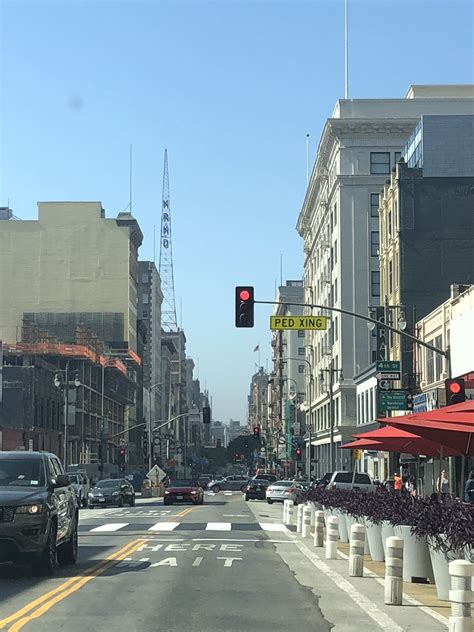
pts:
pixel 392 439
pixel 457 436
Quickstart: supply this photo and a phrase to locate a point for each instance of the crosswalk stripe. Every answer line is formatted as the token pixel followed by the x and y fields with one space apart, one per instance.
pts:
pixel 113 526
pixel 218 526
pixel 271 526
pixel 164 526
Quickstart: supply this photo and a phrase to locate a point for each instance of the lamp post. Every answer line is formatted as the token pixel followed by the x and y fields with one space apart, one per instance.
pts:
pixel 63 383
pixel 332 370
pixel 150 440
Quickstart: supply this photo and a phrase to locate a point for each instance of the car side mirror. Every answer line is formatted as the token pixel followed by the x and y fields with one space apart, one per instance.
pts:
pixel 62 480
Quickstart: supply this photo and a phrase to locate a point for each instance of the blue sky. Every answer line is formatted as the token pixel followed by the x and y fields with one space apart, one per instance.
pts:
pixel 231 89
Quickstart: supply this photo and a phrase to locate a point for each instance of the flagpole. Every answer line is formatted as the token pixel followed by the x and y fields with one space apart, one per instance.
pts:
pixel 259 355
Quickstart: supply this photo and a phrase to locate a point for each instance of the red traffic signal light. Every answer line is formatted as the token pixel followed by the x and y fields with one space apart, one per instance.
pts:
pixel 122 452
pixel 298 453
pixel 256 432
pixel 244 304
pixel 455 391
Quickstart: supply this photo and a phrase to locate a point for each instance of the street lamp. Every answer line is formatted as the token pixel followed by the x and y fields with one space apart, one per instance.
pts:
pixel 63 384
pixel 150 441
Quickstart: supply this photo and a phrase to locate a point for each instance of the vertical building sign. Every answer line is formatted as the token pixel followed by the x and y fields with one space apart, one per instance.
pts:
pixel 381 334
pixel 1 371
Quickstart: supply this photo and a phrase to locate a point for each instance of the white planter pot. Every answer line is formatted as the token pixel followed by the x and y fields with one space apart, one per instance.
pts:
pixel 416 555
pixel 440 563
pixel 387 531
pixel 374 538
pixel 343 535
pixel 350 520
pixel 469 557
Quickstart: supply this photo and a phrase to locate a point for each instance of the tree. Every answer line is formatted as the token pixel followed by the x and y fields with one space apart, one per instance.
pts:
pixel 243 444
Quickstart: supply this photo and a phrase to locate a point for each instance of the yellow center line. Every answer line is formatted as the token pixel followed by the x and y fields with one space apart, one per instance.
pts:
pixel 184 513
pixel 88 574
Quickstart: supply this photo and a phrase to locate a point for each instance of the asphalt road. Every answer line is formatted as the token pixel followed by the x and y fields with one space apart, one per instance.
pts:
pixel 224 566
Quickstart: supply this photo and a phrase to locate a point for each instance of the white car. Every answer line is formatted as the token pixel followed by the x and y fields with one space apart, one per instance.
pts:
pixel 284 490
pixel 81 485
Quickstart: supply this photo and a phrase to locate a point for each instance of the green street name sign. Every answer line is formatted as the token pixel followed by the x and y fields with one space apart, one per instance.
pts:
pixel 393 400
pixel 388 365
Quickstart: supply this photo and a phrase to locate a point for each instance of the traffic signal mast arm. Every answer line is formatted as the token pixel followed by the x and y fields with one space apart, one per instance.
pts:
pixel 165 423
pixel 368 319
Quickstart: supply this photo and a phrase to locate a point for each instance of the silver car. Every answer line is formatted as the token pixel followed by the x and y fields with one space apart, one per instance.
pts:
pixel 284 490
pixel 228 483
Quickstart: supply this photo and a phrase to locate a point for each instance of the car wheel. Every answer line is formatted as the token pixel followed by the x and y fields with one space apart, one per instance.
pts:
pixel 216 489
pixel 67 552
pixel 202 500
pixel 132 501
pixel 84 502
pixel 90 506
pixel 243 488
pixel 120 502
pixel 269 501
pixel 47 561
pixel 247 498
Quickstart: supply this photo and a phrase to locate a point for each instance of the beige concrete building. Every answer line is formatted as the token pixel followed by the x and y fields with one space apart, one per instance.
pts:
pixel 71 260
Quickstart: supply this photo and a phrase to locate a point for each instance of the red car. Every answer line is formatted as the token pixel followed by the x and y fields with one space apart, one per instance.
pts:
pixel 183 491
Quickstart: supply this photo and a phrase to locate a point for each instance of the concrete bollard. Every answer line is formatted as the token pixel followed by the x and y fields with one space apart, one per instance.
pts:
pixel 285 511
pixel 312 509
pixel 394 572
pixel 332 534
pixel 306 527
pixel 319 528
pixel 299 518
pixel 460 595
pixel 356 550
pixel 290 513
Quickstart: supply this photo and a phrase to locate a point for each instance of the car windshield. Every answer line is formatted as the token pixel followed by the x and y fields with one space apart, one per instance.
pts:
pixel 283 484
pixel 183 483
pixel 21 473
pixel 107 483
pixel 74 479
pixel 259 481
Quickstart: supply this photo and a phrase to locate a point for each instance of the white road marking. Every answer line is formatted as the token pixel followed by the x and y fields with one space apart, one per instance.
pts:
pixel 368 606
pixel 235 515
pixel 197 561
pixel 218 526
pixel 227 493
pixel 164 526
pixel 229 560
pixel 243 540
pixel 270 526
pixel 144 559
pixel 379 580
pixel 112 526
pixel 169 561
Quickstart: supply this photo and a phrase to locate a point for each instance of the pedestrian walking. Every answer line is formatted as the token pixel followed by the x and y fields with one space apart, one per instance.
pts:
pixel 410 486
pixel 469 488
pixel 442 484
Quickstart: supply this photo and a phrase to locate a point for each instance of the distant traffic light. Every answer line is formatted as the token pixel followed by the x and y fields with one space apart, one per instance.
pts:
pixel 206 415
pixel 298 453
pixel 121 458
pixel 455 391
pixel 256 433
pixel 244 304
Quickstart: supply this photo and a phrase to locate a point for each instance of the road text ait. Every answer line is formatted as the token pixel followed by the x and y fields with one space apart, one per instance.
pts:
pixel 151 547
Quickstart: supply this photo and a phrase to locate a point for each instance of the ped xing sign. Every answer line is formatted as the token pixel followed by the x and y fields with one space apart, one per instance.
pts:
pixel 298 322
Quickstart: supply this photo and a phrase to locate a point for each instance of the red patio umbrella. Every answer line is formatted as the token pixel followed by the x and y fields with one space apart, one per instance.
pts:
pixel 390 439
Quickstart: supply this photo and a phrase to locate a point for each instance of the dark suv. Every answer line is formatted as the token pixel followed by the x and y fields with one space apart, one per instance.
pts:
pixel 38 511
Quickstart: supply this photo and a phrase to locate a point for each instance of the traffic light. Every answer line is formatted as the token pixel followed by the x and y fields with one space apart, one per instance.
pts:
pixel 244 303
pixel 455 391
pixel 410 402
pixel 121 459
pixel 256 433
pixel 298 454
pixel 206 415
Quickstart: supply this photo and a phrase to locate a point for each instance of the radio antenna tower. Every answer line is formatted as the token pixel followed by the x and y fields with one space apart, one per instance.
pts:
pixel 168 308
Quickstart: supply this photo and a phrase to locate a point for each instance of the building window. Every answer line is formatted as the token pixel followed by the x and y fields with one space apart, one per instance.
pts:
pixel 145 313
pixel 145 299
pixel 374 205
pixel 335 214
pixel 374 356
pixel 335 291
pixel 374 243
pixel 145 277
pixel 300 333
pixel 379 162
pixel 375 283
pixel 398 155
pixel 335 325
pixel 301 351
pixel 389 224
pixel 390 277
pixel 430 365
pixel 438 343
pixel 301 368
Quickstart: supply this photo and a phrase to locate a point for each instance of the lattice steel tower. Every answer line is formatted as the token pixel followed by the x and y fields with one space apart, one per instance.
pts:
pixel 168 308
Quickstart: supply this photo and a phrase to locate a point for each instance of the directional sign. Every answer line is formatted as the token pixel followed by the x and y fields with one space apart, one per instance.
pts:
pixel 262 450
pixel 388 365
pixel 281 441
pixel 393 400
pixel 381 375
pixel 298 322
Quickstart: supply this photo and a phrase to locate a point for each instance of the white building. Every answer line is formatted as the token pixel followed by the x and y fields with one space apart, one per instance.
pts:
pixel 339 224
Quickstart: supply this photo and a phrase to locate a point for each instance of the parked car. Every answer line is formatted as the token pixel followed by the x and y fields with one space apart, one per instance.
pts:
pixel 38 511
pixel 81 485
pixel 229 483
pixel 256 489
pixel 343 480
pixel 322 482
pixel 271 478
pixel 184 491
pixel 284 490
pixel 204 480
pixel 111 491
